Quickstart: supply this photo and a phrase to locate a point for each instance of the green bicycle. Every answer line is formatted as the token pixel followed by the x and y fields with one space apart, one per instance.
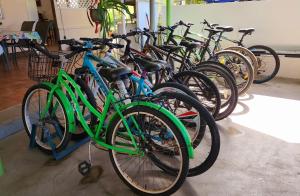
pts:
pixel 137 135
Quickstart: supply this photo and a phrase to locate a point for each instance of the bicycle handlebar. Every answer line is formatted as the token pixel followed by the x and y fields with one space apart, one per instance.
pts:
pixel 185 24
pixel 211 26
pixel 53 56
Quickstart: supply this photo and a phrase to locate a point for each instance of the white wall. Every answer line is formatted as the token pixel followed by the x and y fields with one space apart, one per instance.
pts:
pixel 276 23
pixel 17 11
pixel 73 23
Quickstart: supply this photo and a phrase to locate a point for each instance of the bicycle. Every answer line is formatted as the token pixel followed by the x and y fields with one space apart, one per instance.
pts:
pixel 194 116
pixel 220 75
pixel 240 67
pixel 131 132
pixel 268 62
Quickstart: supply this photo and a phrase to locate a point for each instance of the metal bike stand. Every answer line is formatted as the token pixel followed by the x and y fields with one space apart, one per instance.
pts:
pixel 48 138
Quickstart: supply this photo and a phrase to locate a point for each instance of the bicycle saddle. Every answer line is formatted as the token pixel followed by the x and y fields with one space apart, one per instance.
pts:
pixel 190 45
pixel 148 64
pixel 247 31
pixel 213 31
pixel 171 48
pixel 113 74
pixel 225 29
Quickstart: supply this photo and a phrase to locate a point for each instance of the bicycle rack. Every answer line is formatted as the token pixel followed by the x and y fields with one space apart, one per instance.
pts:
pixel 47 137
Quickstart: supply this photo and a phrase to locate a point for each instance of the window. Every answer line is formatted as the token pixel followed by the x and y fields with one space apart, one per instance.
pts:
pixel 74 3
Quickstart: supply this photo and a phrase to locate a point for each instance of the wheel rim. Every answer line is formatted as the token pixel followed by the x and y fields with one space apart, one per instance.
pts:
pixel 266 64
pixel 239 68
pixel 54 123
pixel 151 179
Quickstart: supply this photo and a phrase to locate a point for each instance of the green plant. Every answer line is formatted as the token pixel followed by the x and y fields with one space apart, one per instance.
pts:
pixel 105 18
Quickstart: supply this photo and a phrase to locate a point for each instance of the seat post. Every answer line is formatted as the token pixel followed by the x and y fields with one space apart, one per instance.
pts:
pixel 240 43
pixel 206 45
pixel 218 40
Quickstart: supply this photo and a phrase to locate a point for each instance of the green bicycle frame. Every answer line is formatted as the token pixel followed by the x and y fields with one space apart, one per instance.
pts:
pixel 64 81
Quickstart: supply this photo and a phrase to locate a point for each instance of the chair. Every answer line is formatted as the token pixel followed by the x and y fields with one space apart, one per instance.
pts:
pixel 27 25
pixel 43 28
pixel 21 44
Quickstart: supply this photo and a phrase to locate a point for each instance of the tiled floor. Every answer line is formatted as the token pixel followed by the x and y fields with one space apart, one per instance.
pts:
pixel 259 155
pixel 13 84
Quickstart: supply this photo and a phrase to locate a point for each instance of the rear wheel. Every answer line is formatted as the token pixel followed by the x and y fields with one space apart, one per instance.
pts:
pixel 240 66
pixel 144 173
pixel 199 124
pixel 90 118
pixel 206 91
pixel 248 54
pixel 268 63
pixel 226 86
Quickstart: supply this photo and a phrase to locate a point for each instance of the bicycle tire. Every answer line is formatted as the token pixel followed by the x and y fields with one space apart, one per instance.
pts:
pixel 277 63
pixel 247 73
pixel 209 90
pixel 80 133
pixel 246 52
pixel 207 126
pixel 173 85
pixel 229 105
pixel 28 128
pixel 183 149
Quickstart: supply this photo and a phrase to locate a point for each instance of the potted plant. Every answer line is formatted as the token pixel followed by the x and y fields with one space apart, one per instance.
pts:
pixel 99 14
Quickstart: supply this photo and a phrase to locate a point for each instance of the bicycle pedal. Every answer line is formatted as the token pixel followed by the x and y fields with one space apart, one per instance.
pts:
pixel 84 168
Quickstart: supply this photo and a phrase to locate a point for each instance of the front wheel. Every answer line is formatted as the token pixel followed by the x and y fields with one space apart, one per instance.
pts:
pixel 268 63
pixel 54 125
pixel 144 173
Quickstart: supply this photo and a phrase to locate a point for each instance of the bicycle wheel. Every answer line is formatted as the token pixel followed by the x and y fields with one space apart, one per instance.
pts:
pixel 55 124
pixel 90 118
pixel 248 54
pixel 268 63
pixel 199 124
pixel 206 91
pixel 225 85
pixel 143 174
pixel 173 87
pixel 239 66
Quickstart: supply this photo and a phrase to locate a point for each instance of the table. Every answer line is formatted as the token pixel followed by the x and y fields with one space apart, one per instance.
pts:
pixel 14 37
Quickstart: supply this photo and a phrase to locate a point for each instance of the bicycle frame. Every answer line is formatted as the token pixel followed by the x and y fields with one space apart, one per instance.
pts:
pixel 64 81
